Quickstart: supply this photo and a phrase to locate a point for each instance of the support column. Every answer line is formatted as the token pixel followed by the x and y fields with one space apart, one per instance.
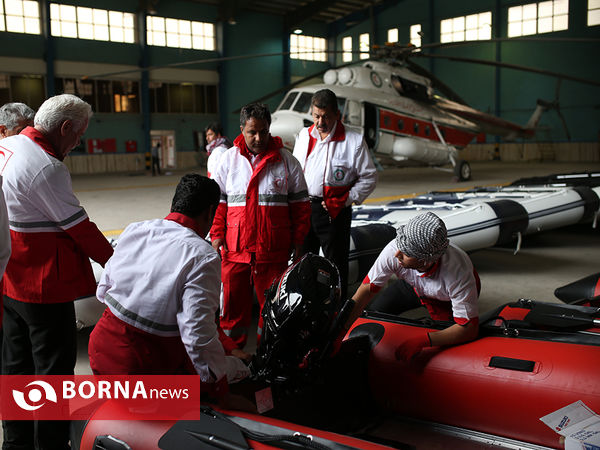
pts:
pixel 49 54
pixel 144 82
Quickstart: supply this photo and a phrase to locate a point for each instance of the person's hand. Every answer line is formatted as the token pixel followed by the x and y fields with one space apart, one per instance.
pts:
pixel 216 244
pixel 412 347
pixel 337 344
pixel 324 205
pixel 241 354
pixel 297 252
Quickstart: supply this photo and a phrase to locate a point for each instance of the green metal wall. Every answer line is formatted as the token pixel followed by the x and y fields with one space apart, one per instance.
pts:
pixel 506 92
pixel 509 93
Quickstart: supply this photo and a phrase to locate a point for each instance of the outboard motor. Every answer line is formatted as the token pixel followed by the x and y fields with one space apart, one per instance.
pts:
pixel 302 315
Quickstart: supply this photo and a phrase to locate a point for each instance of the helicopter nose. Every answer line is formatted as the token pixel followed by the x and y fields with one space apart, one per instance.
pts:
pixel 286 125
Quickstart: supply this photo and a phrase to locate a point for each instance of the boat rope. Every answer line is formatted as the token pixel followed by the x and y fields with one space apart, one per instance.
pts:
pixel 519 241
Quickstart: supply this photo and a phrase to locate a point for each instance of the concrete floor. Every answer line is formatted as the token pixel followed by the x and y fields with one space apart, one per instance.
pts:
pixel 546 260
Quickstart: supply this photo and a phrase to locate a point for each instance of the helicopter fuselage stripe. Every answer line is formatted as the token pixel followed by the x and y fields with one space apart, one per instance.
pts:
pixel 409 126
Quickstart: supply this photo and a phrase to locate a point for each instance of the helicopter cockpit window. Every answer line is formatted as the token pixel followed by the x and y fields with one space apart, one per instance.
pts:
pixel 352 113
pixel 288 100
pixel 303 103
pixel 410 89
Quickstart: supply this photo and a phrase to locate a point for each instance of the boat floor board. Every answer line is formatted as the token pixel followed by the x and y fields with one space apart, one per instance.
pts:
pixel 422 435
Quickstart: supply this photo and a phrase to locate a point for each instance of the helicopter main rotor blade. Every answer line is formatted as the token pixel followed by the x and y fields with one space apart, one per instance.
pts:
pixel 510 66
pixel 204 61
pixel 436 82
pixel 435 45
pixel 300 81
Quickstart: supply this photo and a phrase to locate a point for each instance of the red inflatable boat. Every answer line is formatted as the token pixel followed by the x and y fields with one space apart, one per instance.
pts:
pixel 532 358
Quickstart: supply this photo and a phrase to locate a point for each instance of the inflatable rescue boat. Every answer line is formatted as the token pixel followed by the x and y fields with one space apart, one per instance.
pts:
pixel 531 358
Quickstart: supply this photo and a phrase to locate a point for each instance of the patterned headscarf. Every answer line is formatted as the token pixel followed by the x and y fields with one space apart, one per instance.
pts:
pixel 424 237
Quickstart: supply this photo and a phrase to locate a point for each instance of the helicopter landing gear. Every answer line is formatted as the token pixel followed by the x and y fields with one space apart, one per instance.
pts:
pixel 462 170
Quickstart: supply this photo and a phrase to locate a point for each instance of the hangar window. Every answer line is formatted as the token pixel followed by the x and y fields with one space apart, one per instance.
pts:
pixel 392 35
pixel 347 49
pixel 5 89
pixel 20 16
pixel 363 40
pixel 415 35
pixel 308 47
pixel 126 97
pixel 166 32
pixel 183 98
pixel 84 89
pixel 91 23
pixel 474 27
pixel 29 89
pixel 535 18
pixel 105 96
pixel 593 17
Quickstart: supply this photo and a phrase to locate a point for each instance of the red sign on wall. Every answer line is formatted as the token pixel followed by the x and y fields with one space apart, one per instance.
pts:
pixel 131 146
pixel 102 145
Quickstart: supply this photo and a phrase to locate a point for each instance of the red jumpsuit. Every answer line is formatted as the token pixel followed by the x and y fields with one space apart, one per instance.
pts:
pixel 264 211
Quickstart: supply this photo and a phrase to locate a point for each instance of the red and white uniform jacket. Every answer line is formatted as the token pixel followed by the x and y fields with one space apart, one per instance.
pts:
pixel 4 235
pixel 165 279
pixel 337 168
pixel 213 159
pixel 264 209
pixel 52 237
pixel 448 290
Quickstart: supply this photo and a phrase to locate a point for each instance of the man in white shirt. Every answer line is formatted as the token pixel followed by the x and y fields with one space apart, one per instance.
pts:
pixel 339 172
pixel 216 145
pixel 441 274
pixel 14 117
pixel 162 289
pixel 52 241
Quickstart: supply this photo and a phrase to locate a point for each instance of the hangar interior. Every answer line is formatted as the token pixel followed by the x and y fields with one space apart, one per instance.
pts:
pixel 160 71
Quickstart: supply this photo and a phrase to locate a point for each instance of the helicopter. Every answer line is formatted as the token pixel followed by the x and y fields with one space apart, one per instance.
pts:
pixel 405 113
pixel 401 118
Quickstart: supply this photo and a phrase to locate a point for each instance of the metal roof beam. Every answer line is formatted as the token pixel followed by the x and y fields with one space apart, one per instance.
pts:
pixel 300 15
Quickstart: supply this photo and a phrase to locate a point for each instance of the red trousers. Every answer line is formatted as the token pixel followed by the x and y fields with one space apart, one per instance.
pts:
pixel 117 348
pixel 239 282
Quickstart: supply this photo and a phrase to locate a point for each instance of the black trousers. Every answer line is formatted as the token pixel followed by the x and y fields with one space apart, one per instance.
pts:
pixel 39 339
pixel 333 236
pixel 155 165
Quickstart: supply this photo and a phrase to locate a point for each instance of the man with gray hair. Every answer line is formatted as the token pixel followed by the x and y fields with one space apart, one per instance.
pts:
pixel 441 275
pixel 339 173
pixel 52 241
pixel 14 117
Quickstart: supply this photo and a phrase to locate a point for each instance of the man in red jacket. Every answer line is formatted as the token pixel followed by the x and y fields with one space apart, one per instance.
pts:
pixel 52 241
pixel 263 217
